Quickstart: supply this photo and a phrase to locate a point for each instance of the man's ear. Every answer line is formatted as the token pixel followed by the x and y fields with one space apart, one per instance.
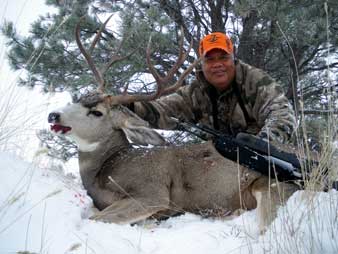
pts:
pixel 142 135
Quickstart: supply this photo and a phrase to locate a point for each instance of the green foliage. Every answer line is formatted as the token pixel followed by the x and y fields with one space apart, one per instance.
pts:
pixel 303 23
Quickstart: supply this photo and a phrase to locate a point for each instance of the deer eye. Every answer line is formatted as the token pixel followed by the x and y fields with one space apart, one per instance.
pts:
pixel 95 113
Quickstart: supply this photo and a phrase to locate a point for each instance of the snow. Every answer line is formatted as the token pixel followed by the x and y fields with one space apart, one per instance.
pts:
pixel 42 210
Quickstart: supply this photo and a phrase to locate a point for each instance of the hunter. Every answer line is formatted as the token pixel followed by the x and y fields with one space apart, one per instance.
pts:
pixel 227 95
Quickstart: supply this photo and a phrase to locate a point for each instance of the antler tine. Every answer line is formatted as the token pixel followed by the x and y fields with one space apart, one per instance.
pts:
pixel 114 58
pixel 153 71
pixel 181 58
pixel 98 76
pixel 98 34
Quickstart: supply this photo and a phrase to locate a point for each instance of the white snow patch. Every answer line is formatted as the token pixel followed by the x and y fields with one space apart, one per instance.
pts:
pixel 43 211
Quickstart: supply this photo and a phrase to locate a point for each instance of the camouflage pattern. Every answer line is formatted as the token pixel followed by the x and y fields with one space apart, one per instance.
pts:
pixel 269 111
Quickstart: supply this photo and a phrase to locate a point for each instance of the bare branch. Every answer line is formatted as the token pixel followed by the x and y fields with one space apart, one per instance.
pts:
pixel 98 76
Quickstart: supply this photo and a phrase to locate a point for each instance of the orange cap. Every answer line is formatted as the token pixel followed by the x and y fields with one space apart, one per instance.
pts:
pixel 215 40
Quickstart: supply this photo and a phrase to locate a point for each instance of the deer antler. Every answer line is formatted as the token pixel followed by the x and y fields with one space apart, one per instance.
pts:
pixel 161 81
pixel 98 74
pixel 161 90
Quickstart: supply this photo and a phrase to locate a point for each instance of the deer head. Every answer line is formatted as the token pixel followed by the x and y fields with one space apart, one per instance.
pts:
pixel 96 115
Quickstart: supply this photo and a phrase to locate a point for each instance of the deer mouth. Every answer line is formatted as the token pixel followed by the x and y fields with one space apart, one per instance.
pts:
pixel 60 128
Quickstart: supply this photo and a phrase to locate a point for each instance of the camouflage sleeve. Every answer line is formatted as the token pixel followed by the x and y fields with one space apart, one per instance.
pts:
pixel 272 109
pixel 158 112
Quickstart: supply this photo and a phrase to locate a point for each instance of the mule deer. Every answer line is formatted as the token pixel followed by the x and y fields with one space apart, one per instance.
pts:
pixel 130 184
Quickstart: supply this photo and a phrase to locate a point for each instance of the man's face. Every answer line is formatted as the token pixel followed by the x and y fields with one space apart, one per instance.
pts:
pixel 219 69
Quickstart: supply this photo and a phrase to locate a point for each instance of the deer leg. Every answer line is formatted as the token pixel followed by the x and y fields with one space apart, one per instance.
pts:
pixel 131 210
pixel 269 196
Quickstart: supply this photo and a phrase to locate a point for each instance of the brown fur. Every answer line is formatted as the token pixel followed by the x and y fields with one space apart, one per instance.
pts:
pixel 129 185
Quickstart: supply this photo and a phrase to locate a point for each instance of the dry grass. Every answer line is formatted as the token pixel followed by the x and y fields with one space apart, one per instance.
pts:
pixel 313 230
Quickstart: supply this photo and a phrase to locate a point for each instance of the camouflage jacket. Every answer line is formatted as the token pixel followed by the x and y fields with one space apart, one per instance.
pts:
pixel 254 104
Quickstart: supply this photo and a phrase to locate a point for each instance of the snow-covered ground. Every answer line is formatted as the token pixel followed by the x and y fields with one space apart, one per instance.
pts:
pixel 44 211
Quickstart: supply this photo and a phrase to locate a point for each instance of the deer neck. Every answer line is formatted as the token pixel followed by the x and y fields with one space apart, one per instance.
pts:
pixel 90 163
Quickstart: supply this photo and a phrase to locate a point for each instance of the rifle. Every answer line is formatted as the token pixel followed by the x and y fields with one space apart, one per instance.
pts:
pixel 255 153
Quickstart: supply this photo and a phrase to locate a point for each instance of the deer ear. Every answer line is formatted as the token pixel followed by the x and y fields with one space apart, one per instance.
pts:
pixel 142 135
pixel 136 129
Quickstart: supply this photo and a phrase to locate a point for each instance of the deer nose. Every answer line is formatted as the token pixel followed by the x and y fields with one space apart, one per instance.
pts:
pixel 53 117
